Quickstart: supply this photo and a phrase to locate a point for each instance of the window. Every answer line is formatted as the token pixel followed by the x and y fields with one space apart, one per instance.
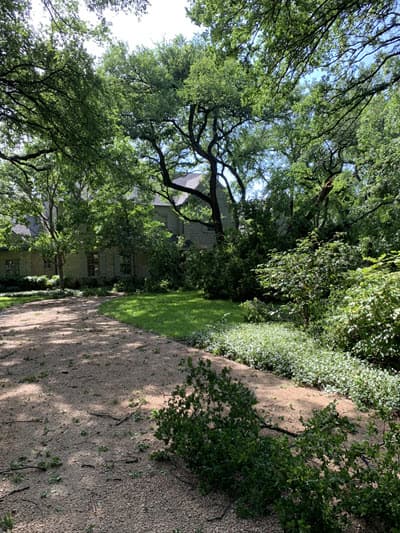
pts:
pixel 12 267
pixel 93 264
pixel 48 264
pixel 125 265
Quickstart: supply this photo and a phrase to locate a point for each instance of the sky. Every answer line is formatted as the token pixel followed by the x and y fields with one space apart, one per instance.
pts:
pixel 164 20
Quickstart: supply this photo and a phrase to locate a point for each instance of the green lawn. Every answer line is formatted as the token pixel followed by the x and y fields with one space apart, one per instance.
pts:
pixel 8 301
pixel 175 314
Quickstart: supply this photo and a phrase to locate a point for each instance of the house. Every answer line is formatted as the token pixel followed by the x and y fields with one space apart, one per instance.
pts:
pixel 110 263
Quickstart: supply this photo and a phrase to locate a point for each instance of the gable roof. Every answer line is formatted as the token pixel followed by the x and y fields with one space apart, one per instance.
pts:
pixel 30 229
pixel 192 180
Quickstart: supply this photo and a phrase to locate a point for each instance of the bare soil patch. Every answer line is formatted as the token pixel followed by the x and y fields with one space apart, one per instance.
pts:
pixel 81 387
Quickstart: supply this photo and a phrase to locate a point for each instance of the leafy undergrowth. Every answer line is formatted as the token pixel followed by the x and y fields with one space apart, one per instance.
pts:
pixel 316 481
pixel 292 353
pixel 174 314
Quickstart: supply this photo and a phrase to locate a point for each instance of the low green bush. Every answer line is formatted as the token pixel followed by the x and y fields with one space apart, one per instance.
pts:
pixel 316 482
pixel 198 428
pixel 27 283
pixel 226 271
pixel 305 275
pixel 96 291
pixel 292 353
pixel 365 319
pixel 256 311
pixel 128 285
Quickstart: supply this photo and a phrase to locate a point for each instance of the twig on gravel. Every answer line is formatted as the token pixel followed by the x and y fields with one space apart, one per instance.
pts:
pixel 274 427
pixel 104 415
pixel 118 419
pixel 22 421
pixel 186 481
pixel 125 418
pixel 21 489
pixel 222 515
pixel 34 503
pixel 15 468
pixel 7 355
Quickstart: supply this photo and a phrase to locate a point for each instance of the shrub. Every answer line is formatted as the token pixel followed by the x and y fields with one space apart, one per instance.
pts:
pixel 315 481
pixel 165 264
pixel 212 428
pixel 366 320
pixel 256 311
pixel 292 353
pixel 129 285
pixel 227 270
pixel 96 291
pixel 306 275
pixel 26 283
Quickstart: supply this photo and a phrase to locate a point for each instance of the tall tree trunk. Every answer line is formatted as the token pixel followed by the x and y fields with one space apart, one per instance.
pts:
pixel 60 269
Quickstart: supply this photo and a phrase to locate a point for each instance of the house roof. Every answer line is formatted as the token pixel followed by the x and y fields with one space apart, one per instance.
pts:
pixel 192 181
pixel 30 229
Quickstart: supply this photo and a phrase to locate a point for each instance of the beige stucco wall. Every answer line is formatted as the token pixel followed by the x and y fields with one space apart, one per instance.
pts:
pixel 30 263
pixel 76 265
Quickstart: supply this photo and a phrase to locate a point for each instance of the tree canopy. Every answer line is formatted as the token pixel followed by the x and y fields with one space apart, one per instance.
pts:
pixel 185 109
pixel 352 46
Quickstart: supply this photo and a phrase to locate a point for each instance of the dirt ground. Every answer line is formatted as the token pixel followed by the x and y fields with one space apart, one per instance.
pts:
pixel 80 387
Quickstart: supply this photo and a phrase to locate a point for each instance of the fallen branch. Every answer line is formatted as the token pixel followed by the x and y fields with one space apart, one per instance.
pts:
pixel 221 516
pixel 21 489
pixel 16 468
pixel 118 419
pixel 125 418
pixel 22 421
pixel 274 427
pixel 104 415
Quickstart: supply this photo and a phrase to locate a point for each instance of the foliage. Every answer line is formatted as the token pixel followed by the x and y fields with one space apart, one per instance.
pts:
pixel 306 275
pixel 315 481
pixel 59 136
pixel 227 270
pixel 353 45
pixel 292 353
pixel 27 283
pixel 375 212
pixel 175 314
pixel 220 272
pixel 7 522
pixel 255 311
pixel 166 263
pixel 185 107
pixel 365 319
pixel 215 425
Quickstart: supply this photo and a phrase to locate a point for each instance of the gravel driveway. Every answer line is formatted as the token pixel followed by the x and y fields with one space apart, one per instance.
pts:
pixel 76 394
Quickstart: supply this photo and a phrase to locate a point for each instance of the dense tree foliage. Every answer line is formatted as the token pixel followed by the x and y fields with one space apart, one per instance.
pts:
pixel 58 134
pixel 354 42
pixel 185 109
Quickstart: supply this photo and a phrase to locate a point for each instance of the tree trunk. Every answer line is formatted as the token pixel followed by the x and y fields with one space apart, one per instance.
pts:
pixel 60 269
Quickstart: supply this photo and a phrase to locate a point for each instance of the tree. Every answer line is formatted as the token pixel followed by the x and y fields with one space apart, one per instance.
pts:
pixel 57 125
pixel 356 44
pixel 375 214
pixel 185 109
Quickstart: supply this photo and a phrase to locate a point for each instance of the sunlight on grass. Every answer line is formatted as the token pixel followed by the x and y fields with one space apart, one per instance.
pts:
pixel 8 301
pixel 175 314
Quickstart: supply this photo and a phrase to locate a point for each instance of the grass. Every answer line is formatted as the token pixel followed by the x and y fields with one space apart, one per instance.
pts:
pixel 8 301
pixel 174 314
